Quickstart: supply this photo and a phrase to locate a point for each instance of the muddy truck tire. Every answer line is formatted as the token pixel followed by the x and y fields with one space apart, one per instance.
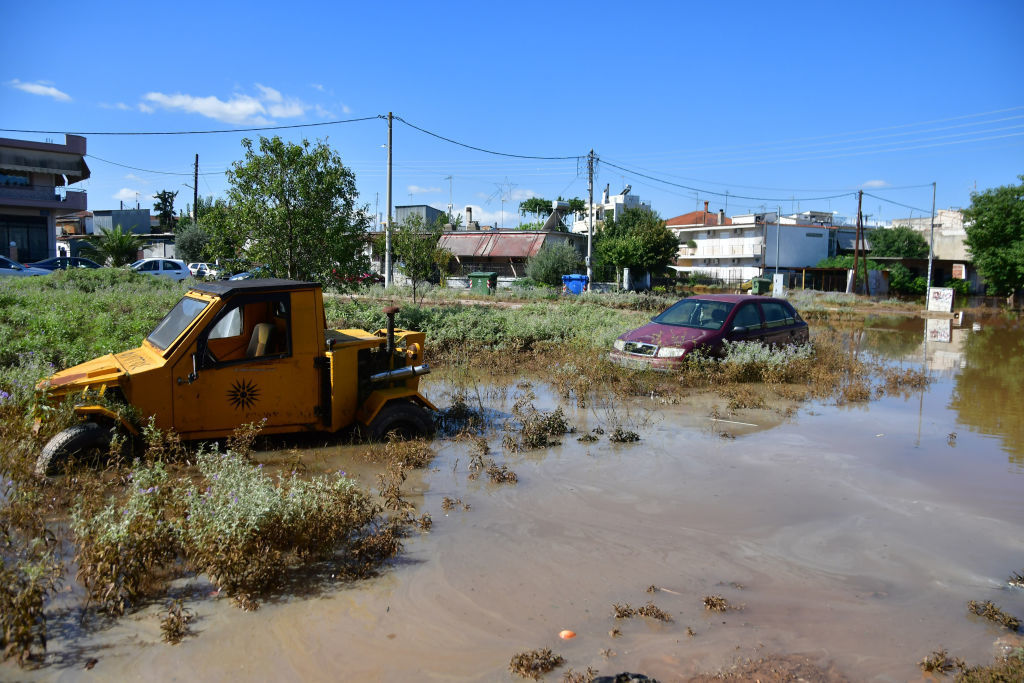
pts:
pixel 402 419
pixel 84 440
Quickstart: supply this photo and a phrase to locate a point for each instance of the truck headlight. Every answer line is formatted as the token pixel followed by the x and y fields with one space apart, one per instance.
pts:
pixel 671 352
pixel 620 345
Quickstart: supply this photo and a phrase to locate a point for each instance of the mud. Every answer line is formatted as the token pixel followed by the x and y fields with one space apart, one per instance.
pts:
pixel 852 537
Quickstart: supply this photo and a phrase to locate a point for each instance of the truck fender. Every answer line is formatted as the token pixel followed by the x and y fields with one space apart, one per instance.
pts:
pixel 381 397
pixel 94 411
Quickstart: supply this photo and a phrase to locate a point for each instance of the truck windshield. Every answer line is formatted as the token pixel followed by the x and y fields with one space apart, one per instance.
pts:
pixel 701 313
pixel 175 322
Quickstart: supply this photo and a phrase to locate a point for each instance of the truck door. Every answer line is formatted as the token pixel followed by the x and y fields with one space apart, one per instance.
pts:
pixel 247 370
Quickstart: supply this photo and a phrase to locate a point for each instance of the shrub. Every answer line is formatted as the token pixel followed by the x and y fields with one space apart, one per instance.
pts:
pixel 552 262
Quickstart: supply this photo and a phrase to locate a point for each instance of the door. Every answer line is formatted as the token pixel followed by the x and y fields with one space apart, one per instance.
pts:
pixel 172 270
pixel 779 322
pixel 747 317
pixel 246 371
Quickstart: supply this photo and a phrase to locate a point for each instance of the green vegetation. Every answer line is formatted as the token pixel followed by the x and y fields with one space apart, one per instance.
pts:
pixel 293 209
pixel 164 208
pixel 113 247
pixel 995 235
pixel 899 241
pixel 190 242
pixel 552 262
pixel 416 251
pixel 638 240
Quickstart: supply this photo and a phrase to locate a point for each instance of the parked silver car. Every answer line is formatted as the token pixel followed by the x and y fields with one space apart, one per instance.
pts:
pixel 12 267
pixel 171 268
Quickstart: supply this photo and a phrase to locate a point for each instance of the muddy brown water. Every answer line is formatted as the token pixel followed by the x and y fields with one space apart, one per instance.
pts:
pixel 851 535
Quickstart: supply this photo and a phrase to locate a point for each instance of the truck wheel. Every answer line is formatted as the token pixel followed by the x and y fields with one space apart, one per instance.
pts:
pixel 401 419
pixel 83 440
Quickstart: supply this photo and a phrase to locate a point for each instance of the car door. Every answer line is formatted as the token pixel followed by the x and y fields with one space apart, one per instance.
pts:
pixel 150 267
pixel 172 270
pixel 747 324
pixel 780 323
pixel 246 371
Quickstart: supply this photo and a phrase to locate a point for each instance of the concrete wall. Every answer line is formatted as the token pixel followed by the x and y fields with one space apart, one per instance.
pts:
pixel 427 213
pixel 130 220
pixel 801 246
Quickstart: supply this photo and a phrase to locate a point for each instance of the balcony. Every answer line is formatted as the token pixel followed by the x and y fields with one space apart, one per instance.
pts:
pixel 59 198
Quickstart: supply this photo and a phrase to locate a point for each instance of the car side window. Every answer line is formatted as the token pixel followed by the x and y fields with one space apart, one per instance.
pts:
pixel 171 265
pixel 254 328
pixel 229 326
pixel 775 314
pixel 150 266
pixel 748 317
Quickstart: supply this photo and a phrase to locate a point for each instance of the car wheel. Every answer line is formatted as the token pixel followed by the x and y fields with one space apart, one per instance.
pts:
pixel 400 419
pixel 86 440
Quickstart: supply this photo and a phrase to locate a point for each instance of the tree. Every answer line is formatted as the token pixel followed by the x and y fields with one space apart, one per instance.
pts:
pixel 416 250
pixel 164 208
pixel 293 209
pixel 539 206
pixel 113 247
pixel 900 241
pixel 995 235
pixel 552 262
pixel 638 240
pixel 190 242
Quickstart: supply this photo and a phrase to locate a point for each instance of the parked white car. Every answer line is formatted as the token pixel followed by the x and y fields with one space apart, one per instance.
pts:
pixel 174 269
pixel 203 270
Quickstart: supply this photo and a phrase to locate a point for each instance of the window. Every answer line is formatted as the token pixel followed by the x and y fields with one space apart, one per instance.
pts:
pixel 175 322
pixel 252 327
pixel 776 314
pixel 171 265
pixel 700 313
pixel 748 317
pixel 149 267
pixel 229 326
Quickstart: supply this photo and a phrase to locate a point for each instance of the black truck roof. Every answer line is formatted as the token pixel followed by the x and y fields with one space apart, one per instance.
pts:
pixel 228 288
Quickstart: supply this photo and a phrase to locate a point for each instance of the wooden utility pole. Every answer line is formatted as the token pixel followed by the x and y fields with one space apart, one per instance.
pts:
pixel 387 226
pixel 590 217
pixel 931 251
pixel 864 247
pixel 195 193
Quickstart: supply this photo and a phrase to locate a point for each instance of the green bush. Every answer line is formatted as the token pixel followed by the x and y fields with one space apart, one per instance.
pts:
pixel 959 287
pixel 552 262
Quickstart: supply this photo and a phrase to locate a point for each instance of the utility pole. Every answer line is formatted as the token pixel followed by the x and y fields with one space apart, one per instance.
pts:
pixel 590 217
pixel 451 206
pixel 852 285
pixel 387 226
pixel 864 248
pixel 195 193
pixel 931 250
pixel 778 235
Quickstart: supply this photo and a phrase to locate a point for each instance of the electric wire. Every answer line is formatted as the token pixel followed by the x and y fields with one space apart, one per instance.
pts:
pixel 905 206
pixel 194 132
pixel 481 149
pixel 149 170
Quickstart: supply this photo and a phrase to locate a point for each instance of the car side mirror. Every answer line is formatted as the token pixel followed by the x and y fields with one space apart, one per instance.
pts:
pixel 738 329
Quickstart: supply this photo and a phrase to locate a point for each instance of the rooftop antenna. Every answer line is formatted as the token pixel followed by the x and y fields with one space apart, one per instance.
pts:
pixel 451 206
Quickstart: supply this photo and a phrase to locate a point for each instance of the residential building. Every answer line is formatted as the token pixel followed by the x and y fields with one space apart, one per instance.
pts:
pixel 77 223
pixel 741 247
pixel 34 180
pixel 502 251
pixel 609 207
pixel 949 233
pixel 427 214
pixel 130 220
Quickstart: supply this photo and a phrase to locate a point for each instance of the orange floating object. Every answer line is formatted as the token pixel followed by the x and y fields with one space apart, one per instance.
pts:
pixel 567 634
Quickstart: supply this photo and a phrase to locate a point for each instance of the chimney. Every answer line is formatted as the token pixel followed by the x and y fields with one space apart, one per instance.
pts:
pixel 705 212
pixel 469 215
pixel 721 216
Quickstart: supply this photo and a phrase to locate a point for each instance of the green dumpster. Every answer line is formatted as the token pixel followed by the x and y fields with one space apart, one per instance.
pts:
pixel 483 282
pixel 760 285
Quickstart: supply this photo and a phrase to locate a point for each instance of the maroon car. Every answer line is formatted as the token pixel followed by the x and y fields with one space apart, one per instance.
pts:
pixel 706 321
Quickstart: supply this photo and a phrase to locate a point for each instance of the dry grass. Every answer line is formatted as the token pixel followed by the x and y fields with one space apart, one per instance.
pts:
pixel 992 612
pixel 535 663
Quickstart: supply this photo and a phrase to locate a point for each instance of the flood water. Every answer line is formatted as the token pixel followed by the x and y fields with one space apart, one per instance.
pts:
pixel 853 535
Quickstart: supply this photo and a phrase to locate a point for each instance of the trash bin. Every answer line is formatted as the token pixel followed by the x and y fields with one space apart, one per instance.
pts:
pixel 574 284
pixel 483 282
pixel 760 285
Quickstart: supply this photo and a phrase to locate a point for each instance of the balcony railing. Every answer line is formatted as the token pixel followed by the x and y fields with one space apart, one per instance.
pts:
pixel 74 199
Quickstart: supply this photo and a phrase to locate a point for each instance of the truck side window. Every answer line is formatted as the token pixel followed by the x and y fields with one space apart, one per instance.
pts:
pixel 229 326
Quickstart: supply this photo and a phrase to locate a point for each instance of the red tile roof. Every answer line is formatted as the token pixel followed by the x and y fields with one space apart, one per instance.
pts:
pixel 699 217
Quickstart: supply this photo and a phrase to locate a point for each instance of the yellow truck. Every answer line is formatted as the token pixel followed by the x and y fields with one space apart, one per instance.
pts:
pixel 237 352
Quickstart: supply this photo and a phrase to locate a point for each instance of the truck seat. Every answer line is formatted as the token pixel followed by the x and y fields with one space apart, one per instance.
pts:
pixel 259 342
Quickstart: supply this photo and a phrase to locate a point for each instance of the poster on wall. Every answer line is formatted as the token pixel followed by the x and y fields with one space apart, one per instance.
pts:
pixel 940 299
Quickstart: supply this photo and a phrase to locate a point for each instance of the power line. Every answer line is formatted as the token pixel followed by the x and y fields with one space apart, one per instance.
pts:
pixel 148 170
pixel 905 206
pixel 481 149
pixel 722 194
pixel 192 132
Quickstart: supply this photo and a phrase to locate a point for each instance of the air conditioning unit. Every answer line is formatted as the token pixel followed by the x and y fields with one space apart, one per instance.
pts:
pixel 735 260
pixel 718 261
pixel 707 262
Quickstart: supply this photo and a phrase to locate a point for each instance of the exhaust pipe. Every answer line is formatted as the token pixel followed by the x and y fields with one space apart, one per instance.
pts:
pixel 401 373
pixel 390 313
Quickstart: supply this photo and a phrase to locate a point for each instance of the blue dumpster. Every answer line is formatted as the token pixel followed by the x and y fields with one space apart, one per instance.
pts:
pixel 574 284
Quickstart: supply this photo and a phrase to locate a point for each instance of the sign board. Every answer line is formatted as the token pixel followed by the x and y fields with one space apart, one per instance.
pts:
pixel 940 299
pixel 959 271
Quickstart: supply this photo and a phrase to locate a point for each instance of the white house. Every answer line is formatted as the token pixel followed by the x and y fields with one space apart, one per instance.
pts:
pixel 610 206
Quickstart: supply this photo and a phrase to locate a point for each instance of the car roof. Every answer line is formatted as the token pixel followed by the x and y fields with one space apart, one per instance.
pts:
pixel 228 288
pixel 733 298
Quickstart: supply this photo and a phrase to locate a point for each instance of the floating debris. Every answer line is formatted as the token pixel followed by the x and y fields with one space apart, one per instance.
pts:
pixel 991 611
pixel 571 676
pixel 535 663
pixel 654 612
pixel 620 435
pixel 940 662
pixel 716 603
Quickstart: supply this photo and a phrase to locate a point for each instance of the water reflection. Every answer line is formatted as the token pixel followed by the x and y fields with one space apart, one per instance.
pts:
pixel 989 391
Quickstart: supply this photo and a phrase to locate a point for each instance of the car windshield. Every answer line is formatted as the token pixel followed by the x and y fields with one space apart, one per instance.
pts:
pixel 700 313
pixel 175 322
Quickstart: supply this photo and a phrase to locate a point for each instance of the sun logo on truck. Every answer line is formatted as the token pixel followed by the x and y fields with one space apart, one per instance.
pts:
pixel 243 394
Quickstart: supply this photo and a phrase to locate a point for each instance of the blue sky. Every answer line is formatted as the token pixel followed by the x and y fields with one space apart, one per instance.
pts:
pixel 775 104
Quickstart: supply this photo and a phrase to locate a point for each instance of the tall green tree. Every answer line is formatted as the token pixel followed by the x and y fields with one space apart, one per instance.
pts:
pixel 995 235
pixel 416 251
pixel 293 209
pixel 164 208
pixel 899 241
pixel 538 206
pixel 113 247
pixel 638 240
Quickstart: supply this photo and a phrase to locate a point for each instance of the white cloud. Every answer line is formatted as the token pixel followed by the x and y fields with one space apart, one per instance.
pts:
pixel 485 217
pixel 520 195
pixel 239 109
pixel 136 179
pixel 875 183
pixel 345 109
pixel 317 86
pixel 44 88
pixel 145 108
pixel 323 113
pixel 416 189
pixel 127 194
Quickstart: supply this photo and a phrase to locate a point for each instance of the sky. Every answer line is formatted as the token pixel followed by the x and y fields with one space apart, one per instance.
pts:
pixel 749 106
